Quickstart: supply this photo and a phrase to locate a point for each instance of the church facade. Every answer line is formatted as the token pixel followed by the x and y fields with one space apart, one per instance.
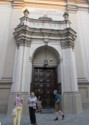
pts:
pixel 44 46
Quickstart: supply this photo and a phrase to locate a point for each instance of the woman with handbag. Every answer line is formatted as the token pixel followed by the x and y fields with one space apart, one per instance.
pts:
pixel 18 109
pixel 32 108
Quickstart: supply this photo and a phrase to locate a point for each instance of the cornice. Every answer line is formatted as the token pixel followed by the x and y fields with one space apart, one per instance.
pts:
pixel 49 4
pixel 18 3
pixel 5 2
pixel 5 80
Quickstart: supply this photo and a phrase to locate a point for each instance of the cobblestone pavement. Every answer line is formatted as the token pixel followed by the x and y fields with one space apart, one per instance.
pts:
pixel 48 119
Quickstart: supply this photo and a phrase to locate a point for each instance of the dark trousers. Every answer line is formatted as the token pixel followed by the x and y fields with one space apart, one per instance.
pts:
pixel 32 115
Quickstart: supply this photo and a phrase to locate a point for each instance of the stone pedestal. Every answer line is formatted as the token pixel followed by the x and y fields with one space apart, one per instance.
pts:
pixel 71 102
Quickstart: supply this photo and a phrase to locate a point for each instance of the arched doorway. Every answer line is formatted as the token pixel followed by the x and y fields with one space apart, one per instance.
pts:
pixel 44 76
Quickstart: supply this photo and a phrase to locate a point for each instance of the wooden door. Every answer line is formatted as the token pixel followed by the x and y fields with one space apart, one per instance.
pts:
pixel 43 83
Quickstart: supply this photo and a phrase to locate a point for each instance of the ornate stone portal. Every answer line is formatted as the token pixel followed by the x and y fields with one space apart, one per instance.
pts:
pixel 46 32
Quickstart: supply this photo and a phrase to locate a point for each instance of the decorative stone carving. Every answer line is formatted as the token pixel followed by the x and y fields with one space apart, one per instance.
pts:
pixel 45 18
pixel 26 13
pixel 69 40
pixel 45 29
pixel 67 44
pixel 66 15
pixel 22 37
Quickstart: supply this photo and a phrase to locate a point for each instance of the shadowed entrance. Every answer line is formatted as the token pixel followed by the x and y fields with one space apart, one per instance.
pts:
pixel 44 82
pixel 44 77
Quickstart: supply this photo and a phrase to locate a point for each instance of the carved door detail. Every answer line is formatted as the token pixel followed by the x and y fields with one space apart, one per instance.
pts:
pixel 43 83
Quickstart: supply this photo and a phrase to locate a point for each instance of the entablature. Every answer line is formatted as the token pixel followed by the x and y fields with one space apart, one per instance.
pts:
pixel 25 31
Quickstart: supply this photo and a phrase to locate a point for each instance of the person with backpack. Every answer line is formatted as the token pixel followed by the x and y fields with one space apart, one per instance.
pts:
pixel 57 105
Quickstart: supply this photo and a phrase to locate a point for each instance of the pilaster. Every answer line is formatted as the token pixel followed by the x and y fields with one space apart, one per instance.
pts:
pixel 71 96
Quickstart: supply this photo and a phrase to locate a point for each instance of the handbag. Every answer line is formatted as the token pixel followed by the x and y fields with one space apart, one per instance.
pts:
pixel 14 112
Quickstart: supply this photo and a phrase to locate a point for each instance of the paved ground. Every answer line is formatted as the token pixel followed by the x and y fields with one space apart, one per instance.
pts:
pixel 47 119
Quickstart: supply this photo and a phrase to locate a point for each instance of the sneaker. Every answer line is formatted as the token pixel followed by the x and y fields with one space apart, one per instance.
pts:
pixel 63 117
pixel 56 119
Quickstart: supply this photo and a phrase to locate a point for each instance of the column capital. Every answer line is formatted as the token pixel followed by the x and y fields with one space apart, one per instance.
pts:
pixel 22 36
pixel 23 42
pixel 67 44
pixel 68 40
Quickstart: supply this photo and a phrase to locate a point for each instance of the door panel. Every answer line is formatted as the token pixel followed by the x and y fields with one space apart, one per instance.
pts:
pixel 43 83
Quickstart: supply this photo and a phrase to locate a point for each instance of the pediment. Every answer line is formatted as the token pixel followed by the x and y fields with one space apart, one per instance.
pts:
pixel 45 18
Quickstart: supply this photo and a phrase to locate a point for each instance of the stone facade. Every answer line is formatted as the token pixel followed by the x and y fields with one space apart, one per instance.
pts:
pixel 44 24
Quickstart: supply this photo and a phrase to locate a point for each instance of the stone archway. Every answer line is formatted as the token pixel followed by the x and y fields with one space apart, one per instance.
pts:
pixel 45 75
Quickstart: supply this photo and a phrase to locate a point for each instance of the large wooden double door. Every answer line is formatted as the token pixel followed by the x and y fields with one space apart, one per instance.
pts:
pixel 43 83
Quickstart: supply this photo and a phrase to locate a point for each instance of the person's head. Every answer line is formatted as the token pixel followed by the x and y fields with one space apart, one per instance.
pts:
pixel 18 93
pixel 55 91
pixel 32 94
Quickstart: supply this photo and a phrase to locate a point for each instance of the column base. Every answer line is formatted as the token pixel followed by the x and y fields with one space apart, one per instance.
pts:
pixel 11 104
pixel 71 103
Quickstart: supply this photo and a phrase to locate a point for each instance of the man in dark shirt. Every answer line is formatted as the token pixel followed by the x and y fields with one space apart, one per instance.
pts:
pixel 57 105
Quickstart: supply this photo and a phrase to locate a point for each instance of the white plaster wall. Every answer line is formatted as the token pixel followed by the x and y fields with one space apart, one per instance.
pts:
pixel 77 48
pixel 5 19
pixel 83 28
pixel 11 47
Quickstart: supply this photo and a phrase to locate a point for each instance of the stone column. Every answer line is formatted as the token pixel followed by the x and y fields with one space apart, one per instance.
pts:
pixel 26 77
pixel 21 77
pixel 18 69
pixel 71 97
pixel 27 71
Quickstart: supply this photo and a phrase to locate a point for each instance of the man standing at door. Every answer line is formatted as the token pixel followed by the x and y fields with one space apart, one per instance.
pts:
pixel 57 105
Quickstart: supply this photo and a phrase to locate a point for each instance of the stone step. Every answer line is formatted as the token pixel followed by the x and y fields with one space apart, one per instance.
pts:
pixel 44 111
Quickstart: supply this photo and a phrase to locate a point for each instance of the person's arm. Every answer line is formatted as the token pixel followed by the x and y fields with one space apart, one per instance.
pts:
pixel 36 100
pixel 22 100
pixel 58 99
pixel 29 101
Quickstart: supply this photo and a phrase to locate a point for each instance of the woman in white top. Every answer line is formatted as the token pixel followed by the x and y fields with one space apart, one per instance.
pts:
pixel 32 108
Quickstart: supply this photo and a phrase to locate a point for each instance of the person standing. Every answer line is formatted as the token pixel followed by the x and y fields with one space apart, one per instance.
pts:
pixel 18 107
pixel 57 105
pixel 32 100
pixel 39 104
